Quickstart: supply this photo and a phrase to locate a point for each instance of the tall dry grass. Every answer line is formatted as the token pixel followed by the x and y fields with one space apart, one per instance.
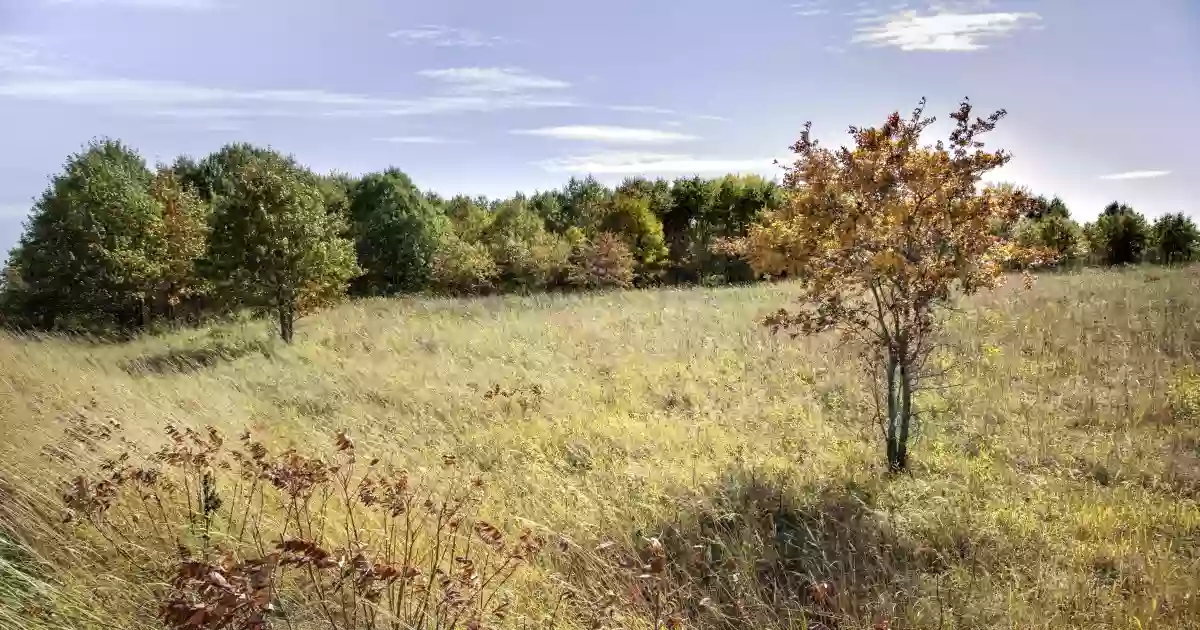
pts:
pixel 1055 484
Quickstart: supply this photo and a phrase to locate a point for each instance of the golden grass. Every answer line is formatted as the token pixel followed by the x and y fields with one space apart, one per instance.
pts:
pixel 1055 486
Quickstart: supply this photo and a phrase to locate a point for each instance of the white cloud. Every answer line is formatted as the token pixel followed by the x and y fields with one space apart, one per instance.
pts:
pixel 642 109
pixel 494 80
pixel 711 117
pixel 447 37
pixel 418 140
pixel 23 55
pixel 810 12
pixel 943 31
pixel 192 5
pixel 1135 175
pixel 636 163
pixel 183 100
pixel 600 133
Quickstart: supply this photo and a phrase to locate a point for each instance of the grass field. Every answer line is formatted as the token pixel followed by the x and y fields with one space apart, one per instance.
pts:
pixel 1056 485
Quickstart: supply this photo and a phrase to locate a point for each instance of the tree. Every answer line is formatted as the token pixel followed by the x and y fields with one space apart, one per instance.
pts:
pixel 1043 207
pixel 1053 232
pixel 881 235
pixel 461 266
pixel 630 217
pixel 90 255
pixel 274 246
pixel 1175 239
pixel 1119 235
pixel 183 240
pixel 528 256
pixel 692 199
pixel 396 230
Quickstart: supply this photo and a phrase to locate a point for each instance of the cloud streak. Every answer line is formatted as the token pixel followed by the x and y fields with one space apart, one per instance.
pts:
pixel 641 163
pixel 1128 175
pixel 187 5
pixel 440 36
pixel 418 140
pixel 600 133
pixel 492 80
pixel 465 90
pixel 941 32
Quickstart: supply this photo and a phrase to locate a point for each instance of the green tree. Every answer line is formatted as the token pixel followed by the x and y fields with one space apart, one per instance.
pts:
pixel 583 203
pixel 529 256
pixel 692 200
pixel 274 246
pixel 462 266
pixel 216 174
pixel 469 217
pixel 1175 239
pixel 1118 236
pixel 90 255
pixel 631 219
pixel 1042 206
pixel 1060 236
pixel 396 230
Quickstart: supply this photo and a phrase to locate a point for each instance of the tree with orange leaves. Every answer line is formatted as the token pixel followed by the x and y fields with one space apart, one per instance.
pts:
pixel 881 236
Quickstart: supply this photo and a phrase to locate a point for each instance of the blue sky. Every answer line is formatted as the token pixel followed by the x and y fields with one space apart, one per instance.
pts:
pixel 488 97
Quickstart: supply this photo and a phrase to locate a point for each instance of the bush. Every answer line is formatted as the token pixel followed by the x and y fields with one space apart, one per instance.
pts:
pixel 605 262
pixel 241 536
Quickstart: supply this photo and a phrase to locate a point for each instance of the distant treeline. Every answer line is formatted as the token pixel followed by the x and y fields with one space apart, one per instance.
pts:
pixel 115 246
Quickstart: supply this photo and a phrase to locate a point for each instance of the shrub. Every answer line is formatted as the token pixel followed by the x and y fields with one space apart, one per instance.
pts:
pixel 604 262
pixel 241 536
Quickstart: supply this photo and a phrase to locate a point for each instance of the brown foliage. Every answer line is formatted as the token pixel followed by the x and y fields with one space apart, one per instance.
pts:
pixel 358 546
pixel 605 262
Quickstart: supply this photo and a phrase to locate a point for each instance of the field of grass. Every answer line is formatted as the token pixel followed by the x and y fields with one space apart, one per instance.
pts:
pixel 1055 485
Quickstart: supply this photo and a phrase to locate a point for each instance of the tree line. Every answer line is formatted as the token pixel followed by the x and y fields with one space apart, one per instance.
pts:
pixel 115 246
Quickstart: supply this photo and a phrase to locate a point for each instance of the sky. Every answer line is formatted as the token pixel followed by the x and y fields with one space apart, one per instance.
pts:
pixel 485 97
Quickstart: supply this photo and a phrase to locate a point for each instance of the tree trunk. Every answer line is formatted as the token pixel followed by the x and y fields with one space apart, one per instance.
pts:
pixel 287 322
pixel 899 392
pixel 905 417
pixel 893 411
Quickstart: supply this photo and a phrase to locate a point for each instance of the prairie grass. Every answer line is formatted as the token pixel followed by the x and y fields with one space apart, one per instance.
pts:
pixel 1055 481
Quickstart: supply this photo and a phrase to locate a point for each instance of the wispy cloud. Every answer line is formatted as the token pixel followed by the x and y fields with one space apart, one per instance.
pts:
pixel 191 5
pixel 23 55
pixel 493 80
pixel 469 92
pixel 711 117
pixel 448 37
pixel 943 31
pixel 600 133
pixel 1135 175
pixel 637 163
pixel 418 140
pixel 642 109
pixel 811 8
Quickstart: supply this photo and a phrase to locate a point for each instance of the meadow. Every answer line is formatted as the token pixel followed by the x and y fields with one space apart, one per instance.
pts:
pixel 1054 484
